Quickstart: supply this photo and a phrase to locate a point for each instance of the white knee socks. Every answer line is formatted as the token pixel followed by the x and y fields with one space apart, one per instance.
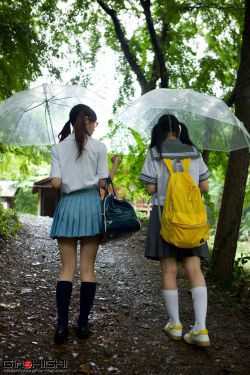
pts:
pixel 172 305
pixel 199 297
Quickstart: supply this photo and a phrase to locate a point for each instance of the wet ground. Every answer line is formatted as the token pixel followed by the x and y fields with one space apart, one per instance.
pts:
pixel 127 317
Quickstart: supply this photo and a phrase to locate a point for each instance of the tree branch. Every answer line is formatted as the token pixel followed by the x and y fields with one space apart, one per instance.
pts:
pixel 125 47
pixel 155 67
pixel 231 100
pixel 155 42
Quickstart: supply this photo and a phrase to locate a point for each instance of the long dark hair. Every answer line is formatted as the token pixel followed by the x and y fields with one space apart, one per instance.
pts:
pixel 184 136
pixel 166 124
pixel 77 119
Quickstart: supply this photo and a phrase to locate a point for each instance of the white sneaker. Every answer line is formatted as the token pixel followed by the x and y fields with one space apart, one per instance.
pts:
pixel 174 331
pixel 200 338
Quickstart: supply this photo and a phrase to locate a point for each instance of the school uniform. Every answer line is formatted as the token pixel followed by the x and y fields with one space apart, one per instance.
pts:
pixel 154 171
pixel 78 213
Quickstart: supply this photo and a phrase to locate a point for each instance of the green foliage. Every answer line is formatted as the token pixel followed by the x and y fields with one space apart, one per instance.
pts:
pixel 240 271
pixel 26 202
pixel 126 177
pixel 217 167
pixel 245 227
pixel 181 26
pixel 9 223
pixel 25 165
pixel 21 48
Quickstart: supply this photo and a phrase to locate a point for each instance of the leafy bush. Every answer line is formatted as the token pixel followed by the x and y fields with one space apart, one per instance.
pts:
pixel 240 271
pixel 26 202
pixel 9 223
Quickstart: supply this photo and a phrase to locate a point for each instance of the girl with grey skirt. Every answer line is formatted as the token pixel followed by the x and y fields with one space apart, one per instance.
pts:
pixel 79 167
pixel 170 140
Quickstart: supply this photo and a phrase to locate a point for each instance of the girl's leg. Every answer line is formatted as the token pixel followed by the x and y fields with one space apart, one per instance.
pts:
pixel 199 333
pixel 67 249
pixel 170 294
pixel 192 266
pixel 89 248
pixel 68 253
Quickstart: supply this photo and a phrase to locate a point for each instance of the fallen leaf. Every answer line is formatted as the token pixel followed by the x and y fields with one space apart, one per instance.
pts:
pixel 85 369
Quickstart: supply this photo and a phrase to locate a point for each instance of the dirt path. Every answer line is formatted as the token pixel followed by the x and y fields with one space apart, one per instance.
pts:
pixel 126 321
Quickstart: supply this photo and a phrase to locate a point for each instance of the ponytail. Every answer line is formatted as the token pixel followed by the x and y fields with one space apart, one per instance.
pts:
pixel 64 132
pixel 77 118
pixel 81 134
pixel 184 136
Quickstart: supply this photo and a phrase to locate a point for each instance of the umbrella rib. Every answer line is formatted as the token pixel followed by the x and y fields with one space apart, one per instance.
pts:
pixel 26 110
pixel 38 105
pixel 224 137
pixel 61 104
pixel 47 110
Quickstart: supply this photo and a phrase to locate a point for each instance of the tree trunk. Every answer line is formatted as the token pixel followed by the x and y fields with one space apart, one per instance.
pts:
pixel 130 57
pixel 159 54
pixel 225 245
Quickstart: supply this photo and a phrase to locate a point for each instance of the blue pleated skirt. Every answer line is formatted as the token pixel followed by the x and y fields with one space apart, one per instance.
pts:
pixel 78 214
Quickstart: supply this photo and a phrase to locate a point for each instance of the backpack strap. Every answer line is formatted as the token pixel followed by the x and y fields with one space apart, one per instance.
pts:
pixel 186 164
pixel 169 165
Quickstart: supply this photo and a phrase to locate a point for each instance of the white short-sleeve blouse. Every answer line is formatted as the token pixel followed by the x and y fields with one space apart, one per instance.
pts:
pixel 154 170
pixel 81 173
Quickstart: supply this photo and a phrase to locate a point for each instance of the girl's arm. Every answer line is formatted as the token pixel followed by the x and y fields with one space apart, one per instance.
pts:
pixel 203 185
pixel 151 188
pixel 56 182
pixel 116 160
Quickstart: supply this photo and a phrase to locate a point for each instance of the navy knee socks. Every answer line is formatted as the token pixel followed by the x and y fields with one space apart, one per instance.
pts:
pixel 63 294
pixel 87 295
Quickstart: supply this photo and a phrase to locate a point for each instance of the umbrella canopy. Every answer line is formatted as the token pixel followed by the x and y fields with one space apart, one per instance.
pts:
pixel 36 116
pixel 210 122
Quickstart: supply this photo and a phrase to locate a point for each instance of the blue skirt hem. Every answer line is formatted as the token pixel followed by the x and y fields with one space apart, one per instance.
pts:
pixel 77 215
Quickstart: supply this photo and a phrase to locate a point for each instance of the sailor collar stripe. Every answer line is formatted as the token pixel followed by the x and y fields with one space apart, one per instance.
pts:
pixel 147 179
pixel 194 154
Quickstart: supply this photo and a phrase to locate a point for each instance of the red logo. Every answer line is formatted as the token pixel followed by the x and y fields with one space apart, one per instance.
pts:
pixel 27 364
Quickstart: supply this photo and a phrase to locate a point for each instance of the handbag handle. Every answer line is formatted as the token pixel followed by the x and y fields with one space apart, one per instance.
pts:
pixel 107 183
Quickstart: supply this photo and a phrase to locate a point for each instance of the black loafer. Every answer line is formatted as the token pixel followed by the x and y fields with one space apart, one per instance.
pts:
pixel 83 332
pixel 61 336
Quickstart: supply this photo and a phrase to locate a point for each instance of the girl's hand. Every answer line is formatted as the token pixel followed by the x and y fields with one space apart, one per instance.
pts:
pixel 116 160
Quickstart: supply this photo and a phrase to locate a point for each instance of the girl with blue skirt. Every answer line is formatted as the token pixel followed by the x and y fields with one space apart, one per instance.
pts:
pixel 79 167
pixel 170 140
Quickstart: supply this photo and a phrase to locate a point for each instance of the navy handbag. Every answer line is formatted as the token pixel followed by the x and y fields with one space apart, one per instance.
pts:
pixel 119 217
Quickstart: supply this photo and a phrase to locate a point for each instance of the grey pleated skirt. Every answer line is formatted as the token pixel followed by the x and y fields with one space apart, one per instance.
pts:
pixel 78 214
pixel 157 248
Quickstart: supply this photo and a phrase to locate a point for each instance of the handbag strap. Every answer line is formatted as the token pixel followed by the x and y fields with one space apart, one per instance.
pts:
pixel 107 183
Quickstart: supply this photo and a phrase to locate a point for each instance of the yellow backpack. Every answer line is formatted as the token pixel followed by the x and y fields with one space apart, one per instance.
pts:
pixel 184 218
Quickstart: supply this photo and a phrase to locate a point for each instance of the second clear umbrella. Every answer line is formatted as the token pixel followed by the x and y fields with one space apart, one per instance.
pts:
pixel 211 123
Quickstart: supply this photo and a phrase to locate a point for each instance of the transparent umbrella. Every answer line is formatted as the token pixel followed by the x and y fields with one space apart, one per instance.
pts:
pixel 210 122
pixel 37 115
